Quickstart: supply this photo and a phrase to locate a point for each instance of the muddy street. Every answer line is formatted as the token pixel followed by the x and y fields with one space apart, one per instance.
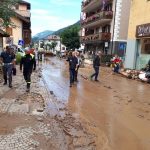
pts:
pixel 116 110
pixel 33 121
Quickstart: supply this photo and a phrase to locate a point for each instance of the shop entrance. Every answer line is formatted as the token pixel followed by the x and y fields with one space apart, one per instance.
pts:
pixel 143 52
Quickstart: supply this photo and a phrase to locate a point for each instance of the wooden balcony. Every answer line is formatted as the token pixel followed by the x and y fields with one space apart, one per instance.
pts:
pixel 94 38
pixel 93 4
pixel 98 18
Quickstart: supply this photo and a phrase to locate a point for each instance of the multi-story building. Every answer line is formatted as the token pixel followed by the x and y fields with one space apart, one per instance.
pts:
pixel 56 40
pixel 138 43
pixel 104 25
pixel 120 25
pixel 22 23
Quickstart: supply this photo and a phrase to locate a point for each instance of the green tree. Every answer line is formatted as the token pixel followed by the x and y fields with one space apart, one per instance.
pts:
pixel 48 46
pixel 70 37
pixel 41 44
pixel 53 45
pixel 7 11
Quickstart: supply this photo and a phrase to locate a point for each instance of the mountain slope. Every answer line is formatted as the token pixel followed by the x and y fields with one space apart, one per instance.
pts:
pixel 58 32
pixel 46 33
pixel 42 35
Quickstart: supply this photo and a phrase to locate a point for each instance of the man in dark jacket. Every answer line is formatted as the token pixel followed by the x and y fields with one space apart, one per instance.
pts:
pixel 7 58
pixel 28 62
pixel 96 65
pixel 73 62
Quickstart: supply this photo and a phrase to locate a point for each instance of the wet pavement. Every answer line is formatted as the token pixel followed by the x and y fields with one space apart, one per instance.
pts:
pixel 116 109
pixel 38 120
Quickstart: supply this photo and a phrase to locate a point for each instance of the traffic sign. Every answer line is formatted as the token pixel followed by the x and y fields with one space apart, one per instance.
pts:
pixel 122 46
pixel 21 42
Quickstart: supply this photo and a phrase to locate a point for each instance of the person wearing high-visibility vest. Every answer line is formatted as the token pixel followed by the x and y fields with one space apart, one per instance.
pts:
pixel 29 64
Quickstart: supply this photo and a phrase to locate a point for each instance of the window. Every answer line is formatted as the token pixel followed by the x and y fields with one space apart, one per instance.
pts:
pixel 26 34
pixel 145 49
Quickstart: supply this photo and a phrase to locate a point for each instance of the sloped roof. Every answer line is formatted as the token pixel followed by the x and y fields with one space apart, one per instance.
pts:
pixel 24 2
pixel 22 18
pixel 24 13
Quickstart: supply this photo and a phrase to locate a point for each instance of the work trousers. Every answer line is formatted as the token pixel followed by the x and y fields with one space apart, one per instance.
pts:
pixel 27 77
pixel 116 68
pixel 76 74
pixel 7 72
pixel 72 75
pixel 96 73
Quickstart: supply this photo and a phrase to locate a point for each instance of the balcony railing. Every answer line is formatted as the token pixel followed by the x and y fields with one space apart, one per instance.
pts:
pixel 84 4
pixel 104 36
pixel 89 2
pixel 99 16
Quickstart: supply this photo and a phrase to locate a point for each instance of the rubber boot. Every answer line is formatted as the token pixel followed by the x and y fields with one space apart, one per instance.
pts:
pixel 28 87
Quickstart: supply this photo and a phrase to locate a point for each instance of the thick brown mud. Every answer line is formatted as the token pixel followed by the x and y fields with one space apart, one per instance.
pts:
pixel 38 120
pixel 116 110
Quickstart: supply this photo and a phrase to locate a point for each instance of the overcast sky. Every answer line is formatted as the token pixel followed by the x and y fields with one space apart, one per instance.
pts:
pixel 53 14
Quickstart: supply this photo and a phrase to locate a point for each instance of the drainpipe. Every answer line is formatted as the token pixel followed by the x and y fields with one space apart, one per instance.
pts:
pixel 114 27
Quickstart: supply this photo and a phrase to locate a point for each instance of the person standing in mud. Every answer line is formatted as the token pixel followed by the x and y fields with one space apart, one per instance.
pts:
pixel 73 62
pixel 7 59
pixel 96 66
pixel 78 65
pixel 29 64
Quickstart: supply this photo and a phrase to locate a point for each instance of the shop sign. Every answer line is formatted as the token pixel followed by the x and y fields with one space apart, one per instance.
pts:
pixel 143 30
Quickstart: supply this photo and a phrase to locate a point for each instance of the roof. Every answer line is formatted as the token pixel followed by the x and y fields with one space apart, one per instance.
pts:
pixel 24 13
pixel 3 34
pixel 22 18
pixel 24 2
pixel 52 37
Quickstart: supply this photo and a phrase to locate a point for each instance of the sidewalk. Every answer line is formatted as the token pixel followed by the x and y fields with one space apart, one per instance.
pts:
pixel 36 120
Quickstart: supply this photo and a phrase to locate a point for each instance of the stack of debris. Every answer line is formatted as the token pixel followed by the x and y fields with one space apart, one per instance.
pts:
pixel 130 74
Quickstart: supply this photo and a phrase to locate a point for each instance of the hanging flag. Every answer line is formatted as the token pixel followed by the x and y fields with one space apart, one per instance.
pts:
pixel 83 16
pixel 103 5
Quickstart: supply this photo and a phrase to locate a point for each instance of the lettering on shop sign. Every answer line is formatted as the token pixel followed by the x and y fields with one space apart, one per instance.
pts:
pixel 143 30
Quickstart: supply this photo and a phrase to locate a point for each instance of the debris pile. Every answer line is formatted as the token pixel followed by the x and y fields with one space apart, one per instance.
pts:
pixel 130 74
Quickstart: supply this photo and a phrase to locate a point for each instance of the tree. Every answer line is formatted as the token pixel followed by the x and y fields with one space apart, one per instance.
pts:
pixel 48 46
pixel 6 12
pixel 53 45
pixel 41 44
pixel 70 37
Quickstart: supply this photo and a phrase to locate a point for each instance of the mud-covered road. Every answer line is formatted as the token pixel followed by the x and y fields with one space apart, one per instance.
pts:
pixel 117 110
